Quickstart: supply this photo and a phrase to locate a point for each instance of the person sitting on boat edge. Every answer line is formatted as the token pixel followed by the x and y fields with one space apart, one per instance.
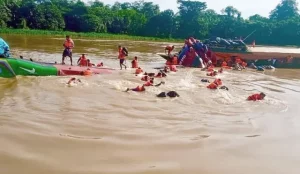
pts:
pixel 4 49
pixel 68 45
pixel 82 61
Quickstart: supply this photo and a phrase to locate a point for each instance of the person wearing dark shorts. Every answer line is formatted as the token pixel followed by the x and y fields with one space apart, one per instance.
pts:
pixel 68 45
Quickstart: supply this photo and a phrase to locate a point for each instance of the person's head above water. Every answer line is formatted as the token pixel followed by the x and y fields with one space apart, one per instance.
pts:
pixel 119 46
pixel 262 95
pixel 67 37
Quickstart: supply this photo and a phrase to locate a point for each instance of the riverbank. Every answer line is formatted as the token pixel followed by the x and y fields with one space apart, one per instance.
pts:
pixel 86 35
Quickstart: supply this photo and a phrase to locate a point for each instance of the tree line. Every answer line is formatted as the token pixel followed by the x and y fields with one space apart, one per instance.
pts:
pixel 141 18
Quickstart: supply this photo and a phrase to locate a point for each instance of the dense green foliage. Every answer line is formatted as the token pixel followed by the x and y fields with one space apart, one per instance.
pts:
pixel 145 19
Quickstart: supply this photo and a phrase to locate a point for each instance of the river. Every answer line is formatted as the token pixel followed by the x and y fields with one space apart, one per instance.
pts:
pixel 47 127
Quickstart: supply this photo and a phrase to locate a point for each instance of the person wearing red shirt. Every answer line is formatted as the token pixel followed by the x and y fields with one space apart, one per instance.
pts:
pixel 256 97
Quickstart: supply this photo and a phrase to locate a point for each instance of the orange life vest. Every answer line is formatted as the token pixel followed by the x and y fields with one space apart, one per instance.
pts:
pixel 139 89
pixel 218 82
pixel 69 44
pixel 138 71
pixel 121 54
pixel 148 83
pixel 83 61
pixel 212 86
pixel 224 64
pixel 255 97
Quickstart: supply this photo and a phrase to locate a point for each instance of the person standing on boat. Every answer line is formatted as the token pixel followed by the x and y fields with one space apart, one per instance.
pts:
pixel 169 48
pixel 122 55
pixel 68 45
pixel 4 49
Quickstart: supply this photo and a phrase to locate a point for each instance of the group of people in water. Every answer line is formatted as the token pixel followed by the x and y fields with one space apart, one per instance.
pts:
pixel 171 66
pixel 148 79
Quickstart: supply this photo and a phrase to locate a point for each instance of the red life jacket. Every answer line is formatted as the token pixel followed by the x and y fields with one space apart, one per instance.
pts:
pixel 148 83
pixel 134 64
pixel 255 97
pixel 145 78
pixel 224 64
pixel 138 71
pixel 83 61
pixel 212 86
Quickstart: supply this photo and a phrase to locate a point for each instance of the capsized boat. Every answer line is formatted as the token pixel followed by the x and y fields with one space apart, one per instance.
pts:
pixel 225 49
pixel 12 67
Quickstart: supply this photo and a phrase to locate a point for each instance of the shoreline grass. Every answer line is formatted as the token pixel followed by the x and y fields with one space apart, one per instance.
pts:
pixel 85 35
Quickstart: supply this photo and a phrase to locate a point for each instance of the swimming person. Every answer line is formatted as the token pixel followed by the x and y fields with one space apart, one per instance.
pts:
pixel 215 84
pixel 122 56
pixel 256 97
pixel 74 80
pixel 89 63
pixel 137 89
pixel 171 94
pixel 150 83
pixel 212 74
pixel 139 70
pixel 68 45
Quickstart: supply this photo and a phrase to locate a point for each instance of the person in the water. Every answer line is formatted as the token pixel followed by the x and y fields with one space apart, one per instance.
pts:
pixel 134 63
pixel 73 80
pixel 161 74
pixel 171 94
pixel 151 83
pixel 100 64
pixel 166 69
pixel 89 63
pixel 256 97
pixel 145 78
pixel 137 89
pixel 149 74
pixel 139 70
pixel 212 74
pixel 215 84
pixel 205 80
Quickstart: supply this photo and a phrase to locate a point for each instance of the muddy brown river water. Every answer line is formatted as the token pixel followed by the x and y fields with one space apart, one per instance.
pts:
pixel 47 127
